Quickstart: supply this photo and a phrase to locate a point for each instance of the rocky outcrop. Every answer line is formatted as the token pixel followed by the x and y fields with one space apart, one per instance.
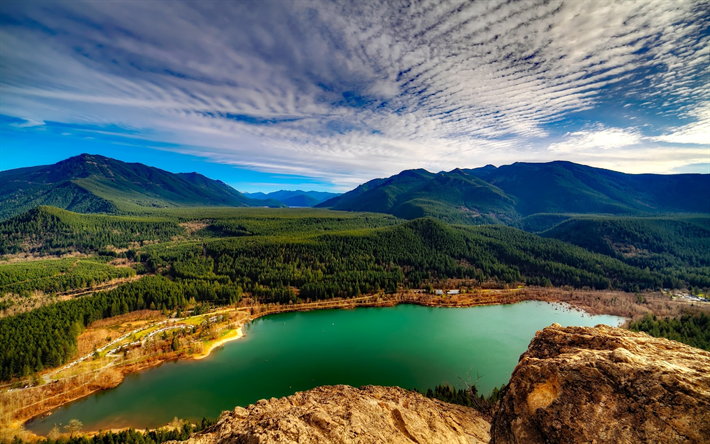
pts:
pixel 345 415
pixel 605 385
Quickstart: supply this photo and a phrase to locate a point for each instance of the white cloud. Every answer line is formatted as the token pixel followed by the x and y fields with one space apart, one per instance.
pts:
pixel 697 132
pixel 349 91
pixel 597 138
pixel 28 124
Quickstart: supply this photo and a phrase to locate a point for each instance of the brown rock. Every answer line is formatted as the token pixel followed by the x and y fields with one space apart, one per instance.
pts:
pixel 345 415
pixel 605 385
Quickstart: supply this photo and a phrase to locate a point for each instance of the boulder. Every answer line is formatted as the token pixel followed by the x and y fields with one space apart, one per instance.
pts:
pixel 605 385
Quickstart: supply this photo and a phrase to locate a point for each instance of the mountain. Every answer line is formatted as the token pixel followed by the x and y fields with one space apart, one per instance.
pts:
pixel 455 197
pixel 296 198
pixel 566 187
pixel 510 193
pixel 97 184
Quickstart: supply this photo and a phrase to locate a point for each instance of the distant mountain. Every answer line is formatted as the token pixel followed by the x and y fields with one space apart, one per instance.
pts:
pixel 296 198
pixel 511 192
pixel 97 184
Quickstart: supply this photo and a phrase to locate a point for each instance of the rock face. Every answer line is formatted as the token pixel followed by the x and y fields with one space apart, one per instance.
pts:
pixel 605 385
pixel 346 415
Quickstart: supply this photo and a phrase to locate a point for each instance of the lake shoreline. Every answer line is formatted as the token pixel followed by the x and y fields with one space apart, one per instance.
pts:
pixel 232 335
pixel 583 302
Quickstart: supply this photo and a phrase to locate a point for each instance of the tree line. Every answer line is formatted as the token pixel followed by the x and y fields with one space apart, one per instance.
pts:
pixel 283 268
pixel 688 329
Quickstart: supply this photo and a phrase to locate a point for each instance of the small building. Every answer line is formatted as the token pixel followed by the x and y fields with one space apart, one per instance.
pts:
pixel 439 291
pixel 452 292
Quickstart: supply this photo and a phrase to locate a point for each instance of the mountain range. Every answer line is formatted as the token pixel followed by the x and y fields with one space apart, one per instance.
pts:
pixel 509 193
pixel 532 196
pixel 296 198
pixel 97 184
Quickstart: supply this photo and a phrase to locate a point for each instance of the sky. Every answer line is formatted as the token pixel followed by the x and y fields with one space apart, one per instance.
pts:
pixel 305 94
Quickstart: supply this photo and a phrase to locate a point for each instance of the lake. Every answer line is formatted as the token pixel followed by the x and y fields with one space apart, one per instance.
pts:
pixel 409 346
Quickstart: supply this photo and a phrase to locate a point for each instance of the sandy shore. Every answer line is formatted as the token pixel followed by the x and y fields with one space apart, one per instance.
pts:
pixel 231 336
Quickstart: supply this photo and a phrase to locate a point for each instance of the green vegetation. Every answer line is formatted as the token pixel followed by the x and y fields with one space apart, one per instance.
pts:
pixel 46 337
pixel 454 197
pixel 216 255
pixel 538 223
pixel 364 261
pixel 279 256
pixel 678 246
pixel 691 330
pixel 180 433
pixel 57 275
pixel 466 397
pixel 48 230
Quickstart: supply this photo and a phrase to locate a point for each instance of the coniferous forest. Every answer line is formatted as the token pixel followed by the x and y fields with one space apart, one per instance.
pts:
pixel 691 330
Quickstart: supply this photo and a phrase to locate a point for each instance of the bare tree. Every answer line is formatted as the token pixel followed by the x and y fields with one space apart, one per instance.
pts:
pixel 74 426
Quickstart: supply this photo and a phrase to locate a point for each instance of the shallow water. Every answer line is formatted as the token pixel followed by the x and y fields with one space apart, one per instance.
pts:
pixel 408 346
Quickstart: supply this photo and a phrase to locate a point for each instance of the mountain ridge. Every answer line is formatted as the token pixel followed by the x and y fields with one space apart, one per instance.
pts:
pixel 98 184
pixel 508 193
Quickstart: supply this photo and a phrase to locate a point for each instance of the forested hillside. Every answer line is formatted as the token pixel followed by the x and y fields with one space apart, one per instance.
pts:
pixel 57 275
pixel 669 244
pixel 691 330
pixel 49 230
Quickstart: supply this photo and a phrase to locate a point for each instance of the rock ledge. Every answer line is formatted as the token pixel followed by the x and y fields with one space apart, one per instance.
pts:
pixel 342 414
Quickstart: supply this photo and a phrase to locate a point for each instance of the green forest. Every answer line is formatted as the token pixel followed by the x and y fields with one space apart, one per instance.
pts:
pixel 217 256
pixel 57 275
pixel 51 231
pixel 691 330
pixel 465 397
pixel 674 245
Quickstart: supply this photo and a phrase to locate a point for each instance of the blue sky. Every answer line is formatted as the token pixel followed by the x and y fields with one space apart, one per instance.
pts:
pixel 327 95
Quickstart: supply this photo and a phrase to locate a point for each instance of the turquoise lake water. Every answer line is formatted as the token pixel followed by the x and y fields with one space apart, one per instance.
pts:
pixel 408 346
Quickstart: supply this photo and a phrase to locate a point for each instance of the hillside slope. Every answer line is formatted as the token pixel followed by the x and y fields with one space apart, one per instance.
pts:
pixel 98 184
pixel 566 187
pixel 512 192
pixel 654 242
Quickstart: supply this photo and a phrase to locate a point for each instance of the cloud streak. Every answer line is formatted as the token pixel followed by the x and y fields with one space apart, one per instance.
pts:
pixel 348 91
